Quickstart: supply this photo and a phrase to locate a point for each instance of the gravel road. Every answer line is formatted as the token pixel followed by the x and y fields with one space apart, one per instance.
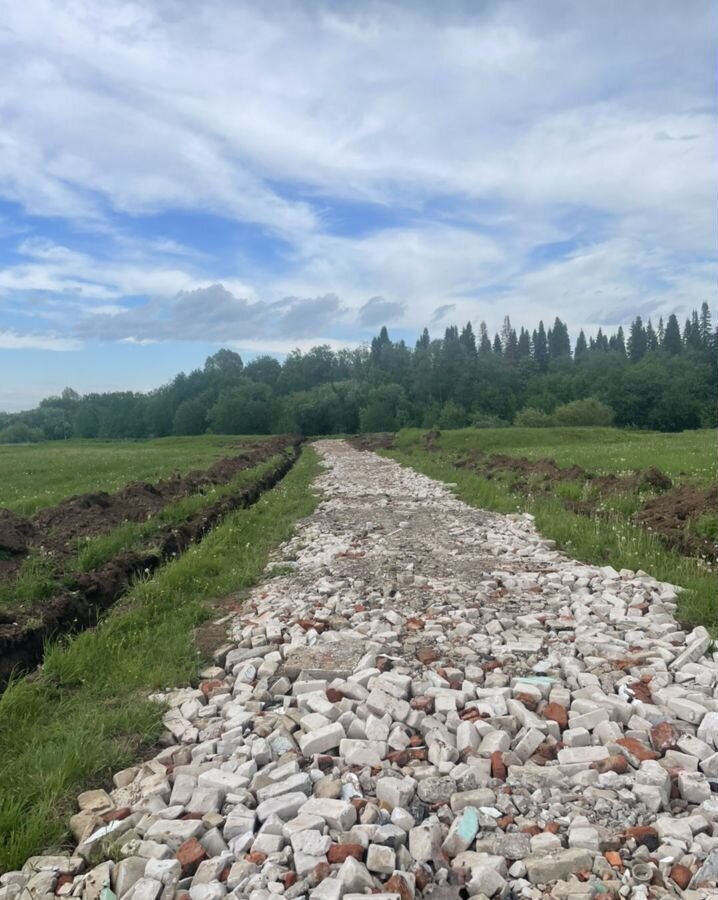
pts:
pixel 431 701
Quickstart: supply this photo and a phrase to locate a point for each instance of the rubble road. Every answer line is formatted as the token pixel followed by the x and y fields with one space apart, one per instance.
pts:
pixel 433 702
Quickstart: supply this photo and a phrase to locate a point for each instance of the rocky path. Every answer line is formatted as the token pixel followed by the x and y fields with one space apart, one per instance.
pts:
pixel 432 703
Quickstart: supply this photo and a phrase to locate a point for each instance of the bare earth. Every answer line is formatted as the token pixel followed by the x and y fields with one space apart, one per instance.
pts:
pixel 434 703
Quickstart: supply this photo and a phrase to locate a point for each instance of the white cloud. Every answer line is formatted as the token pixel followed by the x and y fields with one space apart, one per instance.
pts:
pixel 482 130
pixel 11 340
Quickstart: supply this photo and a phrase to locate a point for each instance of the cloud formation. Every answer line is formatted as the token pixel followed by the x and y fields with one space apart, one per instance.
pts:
pixel 275 173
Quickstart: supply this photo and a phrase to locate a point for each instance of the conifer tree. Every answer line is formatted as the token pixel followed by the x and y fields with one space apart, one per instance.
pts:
pixel 672 342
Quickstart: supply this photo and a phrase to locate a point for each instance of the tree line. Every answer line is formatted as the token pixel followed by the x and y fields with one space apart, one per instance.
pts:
pixel 661 378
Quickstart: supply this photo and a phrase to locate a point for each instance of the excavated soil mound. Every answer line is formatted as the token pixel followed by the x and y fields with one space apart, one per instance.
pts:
pixel 15 532
pixel 549 470
pixel 381 441
pixel 673 515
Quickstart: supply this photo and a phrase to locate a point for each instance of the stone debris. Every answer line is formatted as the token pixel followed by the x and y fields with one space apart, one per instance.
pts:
pixel 434 703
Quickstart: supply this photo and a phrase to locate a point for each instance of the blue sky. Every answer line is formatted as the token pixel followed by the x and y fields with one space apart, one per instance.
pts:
pixel 177 176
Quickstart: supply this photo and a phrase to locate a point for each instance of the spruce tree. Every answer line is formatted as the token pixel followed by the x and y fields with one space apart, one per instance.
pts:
pixel 705 329
pixel 672 342
pixel 651 339
pixel 581 345
pixel 637 340
pixel 620 341
pixel 540 343
pixel 484 339
pixel 524 345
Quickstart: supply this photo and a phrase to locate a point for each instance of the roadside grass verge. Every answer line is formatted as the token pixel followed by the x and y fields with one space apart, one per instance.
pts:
pixel 85 714
pixel 605 538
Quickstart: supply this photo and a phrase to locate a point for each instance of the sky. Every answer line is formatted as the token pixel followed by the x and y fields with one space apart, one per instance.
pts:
pixel 179 176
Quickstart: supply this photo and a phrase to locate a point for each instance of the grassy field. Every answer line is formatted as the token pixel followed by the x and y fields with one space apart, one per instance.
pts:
pixel 37 580
pixel 86 715
pixel 40 475
pixel 604 532
pixel 690 455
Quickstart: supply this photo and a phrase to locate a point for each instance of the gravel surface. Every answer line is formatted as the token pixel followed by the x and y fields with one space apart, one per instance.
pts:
pixel 434 702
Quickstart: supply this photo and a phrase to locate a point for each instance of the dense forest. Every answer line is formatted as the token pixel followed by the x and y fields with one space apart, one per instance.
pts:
pixel 661 378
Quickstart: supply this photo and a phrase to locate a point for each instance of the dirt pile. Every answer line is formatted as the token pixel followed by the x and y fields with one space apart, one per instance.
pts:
pixel 550 472
pixel 676 518
pixel 15 533
pixel 380 441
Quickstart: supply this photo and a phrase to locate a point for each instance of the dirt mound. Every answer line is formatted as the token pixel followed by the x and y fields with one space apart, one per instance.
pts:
pixel 381 441
pixel 549 470
pixel 15 533
pixel 676 518
pixel 431 441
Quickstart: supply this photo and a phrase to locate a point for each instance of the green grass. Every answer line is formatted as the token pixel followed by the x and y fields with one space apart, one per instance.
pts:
pixel 599 450
pixel 605 537
pixel 36 476
pixel 37 580
pixel 85 715
pixel 95 551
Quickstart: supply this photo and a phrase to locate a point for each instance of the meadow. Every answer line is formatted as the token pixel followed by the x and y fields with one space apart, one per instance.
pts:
pixel 35 476
pixel 598 515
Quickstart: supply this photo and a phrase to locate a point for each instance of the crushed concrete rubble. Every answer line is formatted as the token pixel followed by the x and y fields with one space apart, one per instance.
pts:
pixel 433 703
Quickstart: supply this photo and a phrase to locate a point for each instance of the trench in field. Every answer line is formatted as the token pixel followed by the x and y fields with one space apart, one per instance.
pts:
pixel 23 634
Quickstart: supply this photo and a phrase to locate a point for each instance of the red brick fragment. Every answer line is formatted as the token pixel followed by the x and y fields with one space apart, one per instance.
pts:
pixel 637 749
pixel 498 768
pixel 190 855
pixel 427 655
pixel 256 857
pixel 663 737
pixel 613 858
pixel 62 880
pixel 528 700
pixel 681 875
pixel 554 712
pixel 645 835
pixel 415 625
pixel 397 885
pixel 641 691
pixel 339 852
pixel 210 686
pixel 116 815
pixel 617 764
pixel 423 704
pixel 333 695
